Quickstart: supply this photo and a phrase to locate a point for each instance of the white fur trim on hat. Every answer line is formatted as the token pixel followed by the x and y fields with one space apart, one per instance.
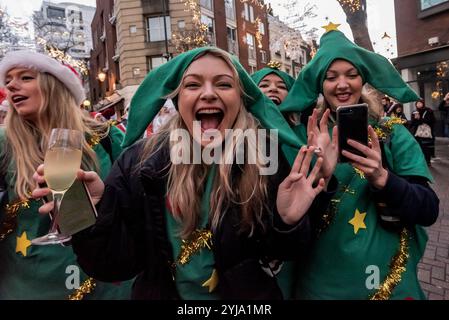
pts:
pixel 42 63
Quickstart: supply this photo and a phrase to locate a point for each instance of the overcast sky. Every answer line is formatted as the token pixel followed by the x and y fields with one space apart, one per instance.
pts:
pixel 380 16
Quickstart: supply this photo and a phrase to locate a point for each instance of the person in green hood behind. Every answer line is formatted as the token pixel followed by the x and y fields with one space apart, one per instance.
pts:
pixel 205 228
pixel 370 239
pixel 276 84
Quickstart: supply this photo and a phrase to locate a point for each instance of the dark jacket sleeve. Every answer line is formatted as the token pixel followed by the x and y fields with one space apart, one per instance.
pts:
pixel 429 118
pixel 408 198
pixel 112 249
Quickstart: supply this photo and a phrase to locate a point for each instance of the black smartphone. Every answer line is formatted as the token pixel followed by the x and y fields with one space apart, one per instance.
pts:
pixel 77 210
pixel 352 124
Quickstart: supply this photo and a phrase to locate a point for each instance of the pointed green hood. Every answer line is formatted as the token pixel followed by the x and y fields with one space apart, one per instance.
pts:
pixel 262 73
pixel 373 68
pixel 149 99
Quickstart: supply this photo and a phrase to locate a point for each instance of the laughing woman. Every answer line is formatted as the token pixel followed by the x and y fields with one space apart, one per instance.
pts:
pixel 44 94
pixel 371 239
pixel 276 85
pixel 198 231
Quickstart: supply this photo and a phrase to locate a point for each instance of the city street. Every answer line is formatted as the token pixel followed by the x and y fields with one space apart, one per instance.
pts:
pixel 434 267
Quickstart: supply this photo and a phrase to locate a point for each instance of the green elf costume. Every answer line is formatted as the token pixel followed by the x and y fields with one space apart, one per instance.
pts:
pixel 354 255
pixel 196 265
pixel 273 68
pixel 285 276
pixel 48 272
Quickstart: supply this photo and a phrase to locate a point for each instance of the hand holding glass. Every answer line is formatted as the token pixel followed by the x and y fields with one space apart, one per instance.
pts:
pixel 62 161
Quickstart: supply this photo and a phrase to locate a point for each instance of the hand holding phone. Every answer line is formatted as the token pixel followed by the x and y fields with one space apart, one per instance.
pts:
pixel 352 124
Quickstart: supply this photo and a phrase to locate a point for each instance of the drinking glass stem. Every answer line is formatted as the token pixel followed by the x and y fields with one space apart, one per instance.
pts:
pixel 57 198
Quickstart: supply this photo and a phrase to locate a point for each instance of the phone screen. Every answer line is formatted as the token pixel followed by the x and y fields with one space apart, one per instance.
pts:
pixel 77 211
pixel 352 124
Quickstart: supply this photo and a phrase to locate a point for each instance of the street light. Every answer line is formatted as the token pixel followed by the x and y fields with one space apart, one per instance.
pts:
pixel 87 105
pixel 101 76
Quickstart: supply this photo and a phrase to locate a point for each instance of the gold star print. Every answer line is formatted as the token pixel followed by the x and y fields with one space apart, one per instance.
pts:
pixel 22 244
pixel 331 26
pixel 358 221
pixel 212 282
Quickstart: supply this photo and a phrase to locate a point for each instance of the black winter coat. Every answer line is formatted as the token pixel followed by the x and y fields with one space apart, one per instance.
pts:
pixel 129 238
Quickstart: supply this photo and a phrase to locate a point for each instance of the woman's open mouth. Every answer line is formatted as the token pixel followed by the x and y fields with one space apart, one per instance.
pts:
pixel 343 97
pixel 18 99
pixel 210 118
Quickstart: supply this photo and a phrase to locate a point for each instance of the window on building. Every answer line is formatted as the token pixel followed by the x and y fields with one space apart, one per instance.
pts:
pixel 132 29
pixel 246 11
pixel 431 7
pixel 232 34
pixel 251 47
pixel 209 22
pixel 232 40
pixel 55 13
pixel 230 9
pixel 155 61
pixel 207 4
pixel 156 28
pixel 251 13
pixel 427 4
pixel 252 69
pixel 261 28
pixel 263 56
pixel 136 71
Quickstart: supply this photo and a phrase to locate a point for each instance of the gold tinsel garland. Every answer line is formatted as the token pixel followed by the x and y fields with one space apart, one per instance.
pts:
pixel 87 287
pixel 9 223
pixel 385 127
pixel 93 140
pixel 274 65
pixel 397 268
pixel 198 240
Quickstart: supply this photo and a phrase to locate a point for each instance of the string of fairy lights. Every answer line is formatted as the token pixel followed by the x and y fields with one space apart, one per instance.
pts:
pixel 184 40
pixel 259 36
pixel 63 57
pixel 353 5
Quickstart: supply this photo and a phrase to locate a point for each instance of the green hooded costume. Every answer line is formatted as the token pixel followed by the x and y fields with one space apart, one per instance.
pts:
pixel 353 251
pixel 147 102
pixel 48 272
pixel 262 73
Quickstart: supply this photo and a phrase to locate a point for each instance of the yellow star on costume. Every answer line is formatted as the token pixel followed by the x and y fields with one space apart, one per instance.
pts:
pixel 22 244
pixel 212 282
pixel 331 26
pixel 358 221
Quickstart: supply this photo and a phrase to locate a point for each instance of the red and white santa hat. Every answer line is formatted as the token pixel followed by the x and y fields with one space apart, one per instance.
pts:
pixel 43 63
pixel 4 105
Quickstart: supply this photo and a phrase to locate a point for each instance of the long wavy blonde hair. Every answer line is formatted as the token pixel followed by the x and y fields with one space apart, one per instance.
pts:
pixel 27 141
pixel 186 182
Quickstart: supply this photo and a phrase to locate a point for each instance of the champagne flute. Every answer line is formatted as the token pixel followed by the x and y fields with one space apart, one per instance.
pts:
pixel 62 161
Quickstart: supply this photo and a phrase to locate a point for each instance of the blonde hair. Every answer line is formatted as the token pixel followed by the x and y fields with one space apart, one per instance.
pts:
pixel 186 181
pixel 27 141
